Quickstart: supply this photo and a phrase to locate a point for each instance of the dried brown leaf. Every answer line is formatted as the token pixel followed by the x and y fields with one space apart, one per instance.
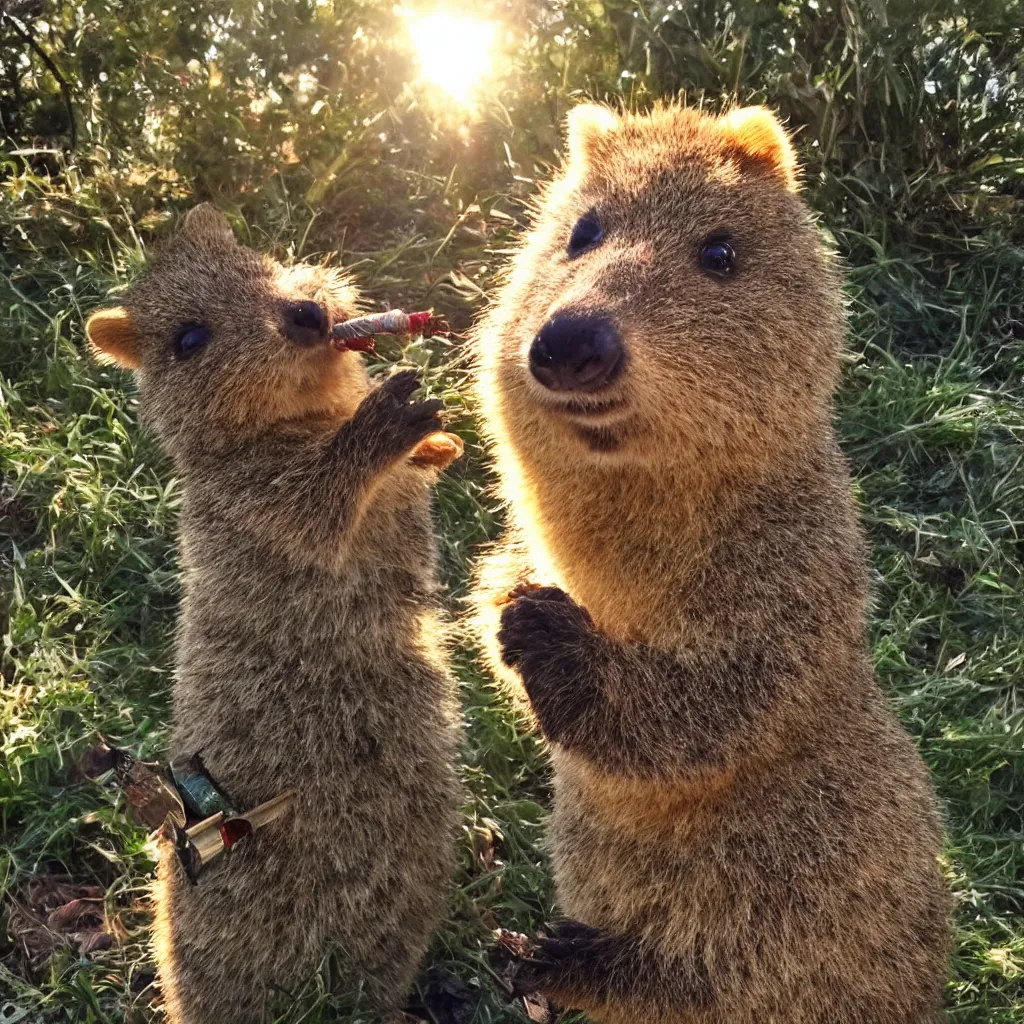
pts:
pixel 516 943
pixel 537 1008
pixel 51 912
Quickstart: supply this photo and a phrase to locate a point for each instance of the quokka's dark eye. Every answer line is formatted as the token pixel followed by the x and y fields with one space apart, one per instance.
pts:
pixel 717 257
pixel 586 234
pixel 190 339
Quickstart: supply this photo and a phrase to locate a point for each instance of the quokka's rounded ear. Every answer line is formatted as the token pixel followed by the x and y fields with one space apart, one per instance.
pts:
pixel 758 135
pixel 205 220
pixel 113 337
pixel 587 126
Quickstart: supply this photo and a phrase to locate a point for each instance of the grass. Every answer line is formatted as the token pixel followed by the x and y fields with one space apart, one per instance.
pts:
pixel 931 412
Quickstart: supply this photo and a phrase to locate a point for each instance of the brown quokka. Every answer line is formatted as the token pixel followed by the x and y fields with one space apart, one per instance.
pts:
pixel 741 832
pixel 309 650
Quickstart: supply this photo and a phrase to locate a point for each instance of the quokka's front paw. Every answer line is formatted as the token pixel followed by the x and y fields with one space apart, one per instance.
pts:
pixel 539 621
pixel 390 422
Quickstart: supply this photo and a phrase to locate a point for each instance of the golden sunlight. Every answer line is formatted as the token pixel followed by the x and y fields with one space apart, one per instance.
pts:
pixel 454 53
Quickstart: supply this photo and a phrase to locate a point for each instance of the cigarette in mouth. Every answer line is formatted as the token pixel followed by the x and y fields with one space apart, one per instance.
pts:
pixel 357 335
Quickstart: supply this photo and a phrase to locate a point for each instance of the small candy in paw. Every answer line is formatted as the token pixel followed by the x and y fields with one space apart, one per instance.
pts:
pixel 438 450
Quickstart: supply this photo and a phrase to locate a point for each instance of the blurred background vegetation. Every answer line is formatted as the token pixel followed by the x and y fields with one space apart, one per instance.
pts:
pixel 409 148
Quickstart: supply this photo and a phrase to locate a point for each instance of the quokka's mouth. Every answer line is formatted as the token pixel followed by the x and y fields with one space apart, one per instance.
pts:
pixel 601 424
pixel 587 411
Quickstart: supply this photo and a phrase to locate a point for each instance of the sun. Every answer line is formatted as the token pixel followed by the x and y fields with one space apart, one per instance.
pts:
pixel 454 53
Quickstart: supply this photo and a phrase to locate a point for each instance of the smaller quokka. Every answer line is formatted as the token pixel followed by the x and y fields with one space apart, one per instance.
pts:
pixel 309 648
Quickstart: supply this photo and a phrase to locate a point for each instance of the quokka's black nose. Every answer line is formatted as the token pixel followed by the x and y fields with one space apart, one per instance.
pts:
pixel 573 352
pixel 305 322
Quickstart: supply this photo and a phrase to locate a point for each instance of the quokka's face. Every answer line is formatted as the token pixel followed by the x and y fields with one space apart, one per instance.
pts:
pixel 672 299
pixel 223 337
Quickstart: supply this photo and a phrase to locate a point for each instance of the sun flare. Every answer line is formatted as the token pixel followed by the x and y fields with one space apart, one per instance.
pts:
pixel 455 54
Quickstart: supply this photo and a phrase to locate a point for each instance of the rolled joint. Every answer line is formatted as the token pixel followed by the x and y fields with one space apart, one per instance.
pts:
pixel 357 334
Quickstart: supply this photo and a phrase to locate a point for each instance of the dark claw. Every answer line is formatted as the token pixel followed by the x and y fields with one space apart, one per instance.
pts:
pixel 522 625
pixel 573 930
pixel 535 593
pixel 557 949
pixel 430 409
pixel 524 616
pixel 566 940
pixel 401 385
pixel 513 636
pixel 529 976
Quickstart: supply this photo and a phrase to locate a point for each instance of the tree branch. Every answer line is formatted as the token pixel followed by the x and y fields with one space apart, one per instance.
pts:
pixel 62 82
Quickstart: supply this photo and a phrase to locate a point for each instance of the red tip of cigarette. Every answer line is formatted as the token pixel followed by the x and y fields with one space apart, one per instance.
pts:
pixel 427 323
pixel 355 344
pixel 361 344
pixel 418 321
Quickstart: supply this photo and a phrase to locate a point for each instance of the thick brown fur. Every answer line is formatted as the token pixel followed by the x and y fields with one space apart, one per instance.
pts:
pixel 309 648
pixel 741 832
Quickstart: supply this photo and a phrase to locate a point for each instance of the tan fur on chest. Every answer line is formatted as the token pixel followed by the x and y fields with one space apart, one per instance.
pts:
pixel 630 558
pixel 637 806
